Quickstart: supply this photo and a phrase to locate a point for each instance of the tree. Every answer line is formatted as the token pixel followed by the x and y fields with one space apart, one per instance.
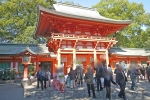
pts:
pixel 18 19
pixel 133 35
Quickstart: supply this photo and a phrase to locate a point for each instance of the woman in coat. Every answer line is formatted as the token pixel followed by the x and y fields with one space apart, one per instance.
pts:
pixel 79 76
pixel 89 81
pixel 72 75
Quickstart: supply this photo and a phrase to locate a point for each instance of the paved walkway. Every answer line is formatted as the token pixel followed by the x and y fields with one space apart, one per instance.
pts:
pixel 31 93
pixel 11 91
pixel 14 91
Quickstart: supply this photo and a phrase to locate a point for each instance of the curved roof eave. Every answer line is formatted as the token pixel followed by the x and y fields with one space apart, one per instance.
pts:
pixel 103 19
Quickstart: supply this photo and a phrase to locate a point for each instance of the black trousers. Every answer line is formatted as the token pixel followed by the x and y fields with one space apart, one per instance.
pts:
pixel 91 87
pixel 122 92
pixel 99 84
pixel 41 82
pixel 108 91
pixel 80 82
pixel 45 83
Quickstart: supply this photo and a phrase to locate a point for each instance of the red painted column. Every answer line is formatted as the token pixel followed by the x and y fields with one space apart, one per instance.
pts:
pixel 68 63
pixel 37 63
pixel 25 72
pixel 139 61
pixel 88 62
pixel 128 61
pixel 14 63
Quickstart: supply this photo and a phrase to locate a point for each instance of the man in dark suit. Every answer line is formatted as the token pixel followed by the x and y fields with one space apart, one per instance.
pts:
pixel 121 80
pixel 98 76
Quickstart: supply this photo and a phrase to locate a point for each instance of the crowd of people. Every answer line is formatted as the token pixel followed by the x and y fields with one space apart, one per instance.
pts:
pixel 99 74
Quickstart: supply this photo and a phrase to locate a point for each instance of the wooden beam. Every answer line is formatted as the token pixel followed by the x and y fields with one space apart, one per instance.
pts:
pixel 103 50
pixel 81 52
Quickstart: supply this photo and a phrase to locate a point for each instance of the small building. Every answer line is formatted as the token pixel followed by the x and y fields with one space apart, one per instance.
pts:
pixel 128 55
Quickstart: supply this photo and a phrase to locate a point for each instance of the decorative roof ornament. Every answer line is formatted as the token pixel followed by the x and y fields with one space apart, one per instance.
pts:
pixel 27 49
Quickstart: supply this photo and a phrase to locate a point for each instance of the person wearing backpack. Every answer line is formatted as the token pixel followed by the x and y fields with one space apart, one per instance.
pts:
pixel 89 81
pixel 79 76
pixel 44 77
pixel 39 78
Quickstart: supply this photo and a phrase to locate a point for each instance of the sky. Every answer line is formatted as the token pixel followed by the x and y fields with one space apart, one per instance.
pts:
pixel 89 3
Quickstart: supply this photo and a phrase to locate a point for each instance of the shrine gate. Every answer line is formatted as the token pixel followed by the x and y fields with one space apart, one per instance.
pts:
pixel 77 34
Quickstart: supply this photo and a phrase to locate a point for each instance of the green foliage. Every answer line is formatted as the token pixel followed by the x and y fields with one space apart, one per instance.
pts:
pixel 18 19
pixel 132 36
pixel 69 2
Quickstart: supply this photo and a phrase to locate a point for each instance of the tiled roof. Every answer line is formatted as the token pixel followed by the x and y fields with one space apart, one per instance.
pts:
pixel 129 51
pixel 11 49
pixel 85 13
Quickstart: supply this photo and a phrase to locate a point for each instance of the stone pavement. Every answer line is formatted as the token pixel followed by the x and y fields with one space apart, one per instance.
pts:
pixel 14 91
pixel 11 91
pixel 31 93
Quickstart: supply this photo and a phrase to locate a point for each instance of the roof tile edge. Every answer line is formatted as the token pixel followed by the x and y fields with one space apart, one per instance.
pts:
pixel 71 5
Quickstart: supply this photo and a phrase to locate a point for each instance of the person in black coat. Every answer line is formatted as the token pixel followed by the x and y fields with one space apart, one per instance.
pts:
pixel 116 69
pixel 107 84
pixel 121 80
pixel 98 76
pixel 148 71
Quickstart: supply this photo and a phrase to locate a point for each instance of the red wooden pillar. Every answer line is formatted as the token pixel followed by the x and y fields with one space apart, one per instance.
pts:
pixel 25 72
pixel 139 62
pixel 117 61
pixel 84 66
pixel 37 63
pixel 98 58
pixel 128 61
pixel 14 62
pixel 69 63
pixel 111 63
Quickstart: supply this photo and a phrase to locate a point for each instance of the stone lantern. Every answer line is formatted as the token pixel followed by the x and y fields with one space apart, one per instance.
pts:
pixel 26 55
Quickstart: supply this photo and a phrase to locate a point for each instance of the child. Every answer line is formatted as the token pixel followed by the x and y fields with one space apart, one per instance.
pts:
pixel 55 82
pixel 61 78
pixel 68 81
pixel 107 83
